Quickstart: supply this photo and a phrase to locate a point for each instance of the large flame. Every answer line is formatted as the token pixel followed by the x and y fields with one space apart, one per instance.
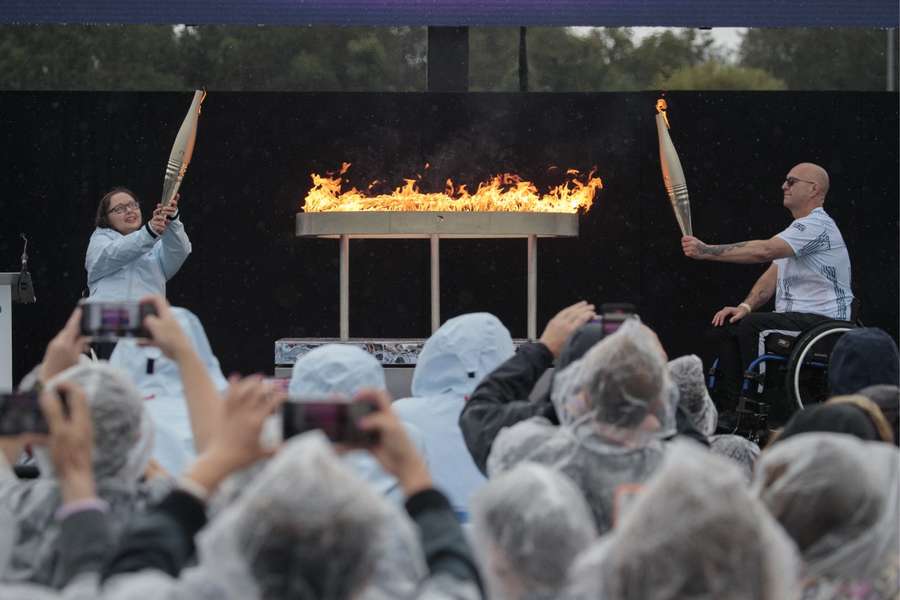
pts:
pixel 505 192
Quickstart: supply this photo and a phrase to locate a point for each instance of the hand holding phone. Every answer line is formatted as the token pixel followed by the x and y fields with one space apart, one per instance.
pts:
pixel 394 449
pixel 20 412
pixel 337 418
pixel 71 440
pixel 163 329
pixel 613 314
pixel 64 349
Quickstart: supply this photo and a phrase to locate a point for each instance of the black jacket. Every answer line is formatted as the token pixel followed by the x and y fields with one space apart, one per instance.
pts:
pixel 501 400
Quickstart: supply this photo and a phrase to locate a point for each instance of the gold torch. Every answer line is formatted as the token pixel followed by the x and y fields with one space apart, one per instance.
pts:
pixel 672 173
pixel 182 150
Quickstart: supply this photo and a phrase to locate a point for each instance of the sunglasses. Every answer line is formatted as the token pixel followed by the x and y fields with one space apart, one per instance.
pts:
pixel 790 181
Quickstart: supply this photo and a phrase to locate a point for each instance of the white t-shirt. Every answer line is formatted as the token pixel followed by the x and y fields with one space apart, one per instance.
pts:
pixel 817 278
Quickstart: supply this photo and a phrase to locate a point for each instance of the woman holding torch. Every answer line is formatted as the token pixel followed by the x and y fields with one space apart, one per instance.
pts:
pixel 127 259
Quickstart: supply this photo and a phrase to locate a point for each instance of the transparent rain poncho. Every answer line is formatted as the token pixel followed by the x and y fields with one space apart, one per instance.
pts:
pixel 529 525
pixel 694 532
pixel 453 362
pixel 739 449
pixel 687 374
pixel 609 404
pixel 839 499
pixel 163 390
pixel 306 528
pixel 123 438
pixel 344 370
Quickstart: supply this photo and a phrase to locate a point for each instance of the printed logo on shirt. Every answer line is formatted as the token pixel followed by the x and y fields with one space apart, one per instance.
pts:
pixel 822 242
pixel 830 273
pixel 799 226
pixel 786 293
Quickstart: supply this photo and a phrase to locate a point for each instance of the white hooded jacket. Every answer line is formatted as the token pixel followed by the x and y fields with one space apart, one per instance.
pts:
pixel 452 363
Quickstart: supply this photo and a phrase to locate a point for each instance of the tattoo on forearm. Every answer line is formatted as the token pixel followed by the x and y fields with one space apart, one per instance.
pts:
pixel 721 249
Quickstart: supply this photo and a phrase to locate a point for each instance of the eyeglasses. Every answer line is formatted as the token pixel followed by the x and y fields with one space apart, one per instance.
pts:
pixel 790 181
pixel 123 208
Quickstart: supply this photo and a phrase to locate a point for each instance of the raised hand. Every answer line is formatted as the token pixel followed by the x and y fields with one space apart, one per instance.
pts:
pixel 71 439
pixel 165 332
pixel 394 449
pixel 235 441
pixel 564 325
pixel 64 349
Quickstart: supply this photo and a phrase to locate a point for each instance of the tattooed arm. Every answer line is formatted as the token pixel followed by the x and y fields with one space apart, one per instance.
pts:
pixel 760 294
pixel 763 289
pixel 753 251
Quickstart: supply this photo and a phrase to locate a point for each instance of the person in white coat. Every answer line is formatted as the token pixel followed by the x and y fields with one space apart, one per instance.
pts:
pixel 127 260
pixel 159 380
pixel 452 363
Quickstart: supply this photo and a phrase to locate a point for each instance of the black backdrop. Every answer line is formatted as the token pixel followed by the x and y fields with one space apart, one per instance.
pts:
pixel 251 281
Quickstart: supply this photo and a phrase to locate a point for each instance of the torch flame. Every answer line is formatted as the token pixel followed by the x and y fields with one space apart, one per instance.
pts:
pixel 506 192
pixel 661 107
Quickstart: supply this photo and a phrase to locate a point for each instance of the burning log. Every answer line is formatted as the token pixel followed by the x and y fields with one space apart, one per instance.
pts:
pixel 506 192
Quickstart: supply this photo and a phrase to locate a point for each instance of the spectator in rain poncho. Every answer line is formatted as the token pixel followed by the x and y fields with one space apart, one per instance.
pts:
pixel 159 380
pixel 345 370
pixel 123 437
pixel 687 373
pixel 839 498
pixel 694 533
pixel 607 402
pixel 455 358
pixel 529 525
pixel 306 528
pixel 863 357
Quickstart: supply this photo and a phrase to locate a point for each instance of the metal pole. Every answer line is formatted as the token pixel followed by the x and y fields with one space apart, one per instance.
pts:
pixel 523 59
pixel 532 287
pixel 435 283
pixel 345 287
pixel 891 59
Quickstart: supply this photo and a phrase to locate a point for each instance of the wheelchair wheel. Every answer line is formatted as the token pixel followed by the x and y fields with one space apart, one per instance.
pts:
pixel 806 380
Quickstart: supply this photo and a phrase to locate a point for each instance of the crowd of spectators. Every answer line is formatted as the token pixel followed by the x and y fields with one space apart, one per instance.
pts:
pixel 162 478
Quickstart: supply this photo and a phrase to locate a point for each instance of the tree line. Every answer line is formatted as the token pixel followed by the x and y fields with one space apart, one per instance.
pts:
pixel 269 58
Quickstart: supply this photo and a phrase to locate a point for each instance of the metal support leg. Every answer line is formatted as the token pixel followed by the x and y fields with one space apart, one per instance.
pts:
pixel 532 287
pixel 345 288
pixel 435 283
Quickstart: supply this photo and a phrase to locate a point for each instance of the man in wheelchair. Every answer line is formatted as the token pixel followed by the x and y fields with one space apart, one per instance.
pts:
pixel 809 275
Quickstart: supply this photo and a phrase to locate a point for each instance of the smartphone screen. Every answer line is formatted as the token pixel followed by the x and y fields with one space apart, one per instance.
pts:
pixel 20 412
pixel 336 419
pixel 114 320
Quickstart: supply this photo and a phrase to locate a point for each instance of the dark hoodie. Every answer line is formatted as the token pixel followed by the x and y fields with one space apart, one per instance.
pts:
pixel 861 358
pixel 501 399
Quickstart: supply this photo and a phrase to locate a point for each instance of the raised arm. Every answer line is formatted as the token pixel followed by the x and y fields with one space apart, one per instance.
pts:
pixel 200 393
pixel 759 294
pixel 175 246
pixel 751 251
pixel 501 399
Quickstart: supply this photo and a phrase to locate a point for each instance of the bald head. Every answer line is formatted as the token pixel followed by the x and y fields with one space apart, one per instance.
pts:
pixel 814 172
